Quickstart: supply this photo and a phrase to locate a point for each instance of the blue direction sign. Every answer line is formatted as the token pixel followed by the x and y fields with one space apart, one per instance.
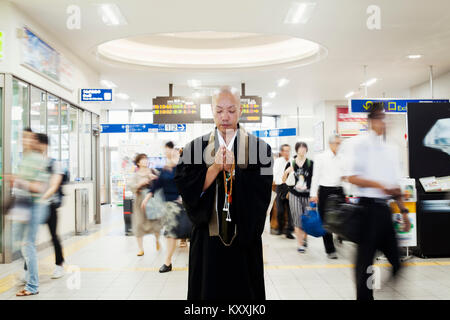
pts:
pixel 96 95
pixel 285 132
pixel 142 127
pixel 390 105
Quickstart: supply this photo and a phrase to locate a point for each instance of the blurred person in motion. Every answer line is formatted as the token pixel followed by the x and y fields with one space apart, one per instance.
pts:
pixel 28 186
pixel 302 169
pixel 138 184
pixel 54 195
pixel 282 190
pixel 376 173
pixel 225 179
pixel 327 181
pixel 173 206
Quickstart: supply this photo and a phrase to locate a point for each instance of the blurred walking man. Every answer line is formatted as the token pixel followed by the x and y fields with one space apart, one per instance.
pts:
pixel 282 190
pixel 327 181
pixel 375 171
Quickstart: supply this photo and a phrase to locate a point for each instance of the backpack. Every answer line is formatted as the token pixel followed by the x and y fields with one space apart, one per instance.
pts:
pixel 60 194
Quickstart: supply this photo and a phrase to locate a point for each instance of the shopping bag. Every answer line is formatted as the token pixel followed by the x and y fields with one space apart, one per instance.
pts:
pixel 311 222
pixel 156 206
pixel 343 219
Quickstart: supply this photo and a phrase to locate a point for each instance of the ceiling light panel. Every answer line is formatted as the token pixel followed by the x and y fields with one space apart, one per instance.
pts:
pixel 282 82
pixel 122 96
pixel 111 14
pixel 300 12
pixel 370 82
pixel 108 84
pixel 350 94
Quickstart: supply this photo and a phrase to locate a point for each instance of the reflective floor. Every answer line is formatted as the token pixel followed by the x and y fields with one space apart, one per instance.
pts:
pixel 104 265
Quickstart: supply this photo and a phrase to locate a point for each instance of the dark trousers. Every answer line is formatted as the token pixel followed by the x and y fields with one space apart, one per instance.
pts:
pixel 282 208
pixel 378 234
pixel 52 223
pixel 323 194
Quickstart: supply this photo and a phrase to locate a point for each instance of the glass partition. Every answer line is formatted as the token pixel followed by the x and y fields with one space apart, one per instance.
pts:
pixel 87 145
pixel 73 143
pixel 53 126
pixel 19 120
pixel 38 122
pixel 65 154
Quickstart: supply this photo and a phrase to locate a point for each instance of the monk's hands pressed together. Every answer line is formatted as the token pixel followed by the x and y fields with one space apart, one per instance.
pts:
pixel 228 160
pixel 219 159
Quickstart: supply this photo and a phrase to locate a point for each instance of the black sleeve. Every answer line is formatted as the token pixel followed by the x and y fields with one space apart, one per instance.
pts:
pixel 257 188
pixel 189 179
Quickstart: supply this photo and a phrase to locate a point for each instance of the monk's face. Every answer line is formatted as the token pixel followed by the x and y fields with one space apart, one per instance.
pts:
pixel 227 112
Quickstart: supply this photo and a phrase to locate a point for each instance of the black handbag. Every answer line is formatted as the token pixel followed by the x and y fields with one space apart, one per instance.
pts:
pixel 184 225
pixel 343 219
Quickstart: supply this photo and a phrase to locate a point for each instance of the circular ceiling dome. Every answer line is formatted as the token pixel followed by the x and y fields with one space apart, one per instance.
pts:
pixel 211 50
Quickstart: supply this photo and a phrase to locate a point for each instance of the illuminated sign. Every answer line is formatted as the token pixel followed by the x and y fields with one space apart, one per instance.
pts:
pixel 251 109
pixel 390 105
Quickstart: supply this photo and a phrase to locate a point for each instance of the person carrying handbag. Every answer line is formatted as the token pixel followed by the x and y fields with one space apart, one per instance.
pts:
pixel 176 223
pixel 138 183
pixel 298 176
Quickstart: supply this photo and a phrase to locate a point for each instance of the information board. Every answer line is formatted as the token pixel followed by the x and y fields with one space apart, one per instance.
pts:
pixel 269 133
pixel 96 95
pixel 350 124
pixel 251 109
pixel 142 127
pixel 178 109
pixel 390 105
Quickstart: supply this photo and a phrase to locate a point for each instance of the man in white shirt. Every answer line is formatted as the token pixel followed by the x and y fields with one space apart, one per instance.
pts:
pixel 327 181
pixel 375 171
pixel 282 190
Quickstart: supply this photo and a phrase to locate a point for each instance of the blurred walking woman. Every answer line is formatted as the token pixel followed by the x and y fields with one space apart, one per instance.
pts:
pixel 302 169
pixel 138 184
pixel 173 207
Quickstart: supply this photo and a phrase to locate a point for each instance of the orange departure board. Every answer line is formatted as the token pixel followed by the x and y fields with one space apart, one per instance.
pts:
pixel 251 109
pixel 177 109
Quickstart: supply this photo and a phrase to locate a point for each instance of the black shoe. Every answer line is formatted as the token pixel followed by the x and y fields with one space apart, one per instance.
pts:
pixel 165 268
pixel 289 236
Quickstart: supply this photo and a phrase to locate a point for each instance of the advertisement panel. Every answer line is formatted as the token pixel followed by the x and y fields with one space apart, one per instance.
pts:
pixel 350 124
pixel 42 58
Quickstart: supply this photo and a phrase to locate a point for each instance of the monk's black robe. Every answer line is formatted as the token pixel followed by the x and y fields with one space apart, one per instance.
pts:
pixel 218 271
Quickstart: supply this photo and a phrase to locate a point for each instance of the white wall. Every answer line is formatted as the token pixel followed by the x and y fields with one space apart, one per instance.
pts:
pixel 84 76
pixel 11 19
pixel 441 88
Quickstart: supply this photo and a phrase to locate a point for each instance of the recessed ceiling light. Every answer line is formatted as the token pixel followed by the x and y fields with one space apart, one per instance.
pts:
pixel 282 82
pixel 111 14
pixel 370 82
pixel 272 94
pixel 300 12
pixel 350 94
pixel 194 83
pixel 122 96
pixel 414 56
pixel 108 84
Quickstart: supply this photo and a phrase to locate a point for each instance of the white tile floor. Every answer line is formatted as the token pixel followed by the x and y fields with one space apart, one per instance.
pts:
pixel 110 269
